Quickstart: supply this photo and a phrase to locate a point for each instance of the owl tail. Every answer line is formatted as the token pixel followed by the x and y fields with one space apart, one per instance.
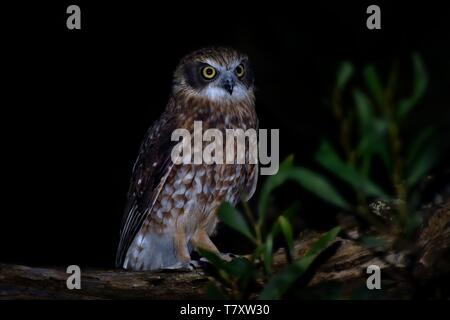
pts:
pixel 152 252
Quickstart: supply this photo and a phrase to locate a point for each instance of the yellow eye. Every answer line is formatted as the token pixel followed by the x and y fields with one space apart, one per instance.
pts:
pixel 209 72
pixel 239 71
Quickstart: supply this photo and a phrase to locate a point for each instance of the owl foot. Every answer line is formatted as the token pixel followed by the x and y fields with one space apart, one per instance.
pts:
pixel 204 264
pixel 224 256
pixel 227 256
pixel 180 266
pixel 199 264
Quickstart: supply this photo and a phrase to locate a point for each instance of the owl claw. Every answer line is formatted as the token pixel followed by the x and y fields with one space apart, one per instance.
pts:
pixel 202 263
pixel 228 256
pixel 181 266
pixel 224 256
pixel 199 264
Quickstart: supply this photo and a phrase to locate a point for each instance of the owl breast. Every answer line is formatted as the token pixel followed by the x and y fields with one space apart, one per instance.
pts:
pixel 193 193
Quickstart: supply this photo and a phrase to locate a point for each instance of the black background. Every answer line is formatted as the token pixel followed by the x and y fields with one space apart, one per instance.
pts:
pixel 76 104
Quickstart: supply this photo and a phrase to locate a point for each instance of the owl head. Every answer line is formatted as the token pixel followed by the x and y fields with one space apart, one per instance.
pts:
pixel 216 74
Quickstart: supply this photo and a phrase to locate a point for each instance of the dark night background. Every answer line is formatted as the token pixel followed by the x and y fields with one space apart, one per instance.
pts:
pixel 76 104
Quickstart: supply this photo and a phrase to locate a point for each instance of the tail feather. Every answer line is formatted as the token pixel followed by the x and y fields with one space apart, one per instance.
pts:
pixel 151 252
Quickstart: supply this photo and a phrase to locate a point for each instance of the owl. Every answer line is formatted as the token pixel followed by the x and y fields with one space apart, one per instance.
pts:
pixel 172 208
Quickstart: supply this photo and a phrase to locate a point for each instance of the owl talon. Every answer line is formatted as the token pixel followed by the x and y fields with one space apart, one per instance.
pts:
pixel 224 256
pixel 228 256
pixel 200 264
pixel 180 266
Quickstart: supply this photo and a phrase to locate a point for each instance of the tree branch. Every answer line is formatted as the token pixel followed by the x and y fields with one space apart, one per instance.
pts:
pixel 344 262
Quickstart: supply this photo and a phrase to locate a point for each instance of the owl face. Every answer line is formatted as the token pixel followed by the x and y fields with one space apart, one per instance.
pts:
pixel 216 74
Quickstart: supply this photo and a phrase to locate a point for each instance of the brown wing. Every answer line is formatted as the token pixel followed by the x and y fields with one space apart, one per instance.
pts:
pixel 151 166
pixel 251 181
pixel 252 175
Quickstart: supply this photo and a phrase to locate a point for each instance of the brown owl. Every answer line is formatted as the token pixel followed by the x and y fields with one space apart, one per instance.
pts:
pixel 172 208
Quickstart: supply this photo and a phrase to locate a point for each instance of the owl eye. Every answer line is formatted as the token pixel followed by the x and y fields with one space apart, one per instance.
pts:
pixel 239 71
pixel 208 72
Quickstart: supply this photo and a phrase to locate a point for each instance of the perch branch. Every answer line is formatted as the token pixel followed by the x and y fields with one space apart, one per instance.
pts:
pixel 346 264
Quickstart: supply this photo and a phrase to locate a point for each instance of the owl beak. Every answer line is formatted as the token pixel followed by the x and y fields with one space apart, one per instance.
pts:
pixel 228 83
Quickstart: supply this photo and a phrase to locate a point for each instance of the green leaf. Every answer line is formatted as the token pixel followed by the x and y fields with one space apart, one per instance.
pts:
pixel 374 84
pixel 375 143
pixel 420 166
pixel 288 214
pixel 233 218
pixel 271 183
pixel 281 282
pixel 419 87
pixel 292 211
pixel 374 138
pixel 364 112
pixel 318 185
pixel 422 155
pixel 330 160
pixel 224 271
pixel 308 179
pixel 268 248
pixel 287 231
pixel 419 143
pixel 215 260
pixel 248 275
pixel 344 74
pixel 277 227
pixel 239 267
pixel 368 131
pixel 324 241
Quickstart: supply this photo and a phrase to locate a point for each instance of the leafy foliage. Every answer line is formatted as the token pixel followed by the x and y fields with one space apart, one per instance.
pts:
pixel 375 147
pixel 279 283
pixel 239 276
pixel 377 138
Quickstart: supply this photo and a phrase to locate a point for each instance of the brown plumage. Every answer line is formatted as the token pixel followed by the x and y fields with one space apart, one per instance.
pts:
pixel 172 208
